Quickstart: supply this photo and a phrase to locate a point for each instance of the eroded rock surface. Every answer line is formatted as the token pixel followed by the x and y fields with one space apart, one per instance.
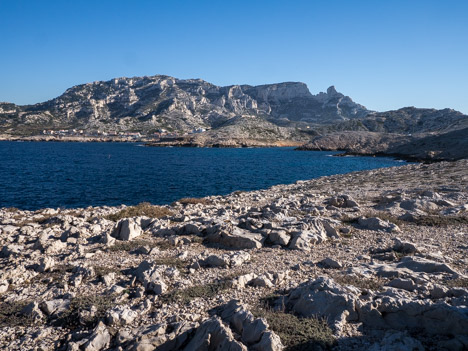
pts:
pixel 232 271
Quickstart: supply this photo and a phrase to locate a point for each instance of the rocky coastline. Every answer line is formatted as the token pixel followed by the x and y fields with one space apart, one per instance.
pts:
pixel 372 260
pixel 427 147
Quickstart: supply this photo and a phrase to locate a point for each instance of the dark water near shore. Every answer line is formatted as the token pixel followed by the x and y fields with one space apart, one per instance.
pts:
pixel 35 175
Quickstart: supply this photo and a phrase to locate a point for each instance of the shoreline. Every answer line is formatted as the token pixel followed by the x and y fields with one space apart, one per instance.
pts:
pixel 395 156
pixel 228 143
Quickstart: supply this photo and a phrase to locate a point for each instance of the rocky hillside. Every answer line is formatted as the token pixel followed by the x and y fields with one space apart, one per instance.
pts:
pixel 408 120
pixel 150 103
pixel 373 260
pixel 410 133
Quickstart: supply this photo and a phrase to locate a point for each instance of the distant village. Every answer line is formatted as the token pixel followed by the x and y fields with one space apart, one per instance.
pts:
pixel 160 134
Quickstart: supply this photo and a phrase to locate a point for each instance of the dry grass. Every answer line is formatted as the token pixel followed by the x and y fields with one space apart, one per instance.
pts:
pixel 296 333
pixel 102 303
pixel 207 291
pixel 101 271
pixel 440 220
pixel 128 246
pixel 10 314
pixel 457 283
pixel 143 209
pixel 193 201
pixel 375 284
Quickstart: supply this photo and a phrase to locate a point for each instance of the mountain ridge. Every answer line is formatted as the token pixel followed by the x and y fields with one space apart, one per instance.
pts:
pixel 155 102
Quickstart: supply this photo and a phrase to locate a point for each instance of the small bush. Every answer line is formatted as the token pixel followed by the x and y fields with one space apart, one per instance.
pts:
pixel 102 303
pixel 135 244
pixel 375 284
pixel 193 201
pixel 171 262
pixel 457 283
pixel 101 271
pixel 143 209
pixel 184 296
pixel 10 314
pixel 296 333
pixel 440 220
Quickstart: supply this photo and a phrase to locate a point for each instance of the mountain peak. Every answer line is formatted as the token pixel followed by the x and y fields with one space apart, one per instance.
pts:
pixel 331 90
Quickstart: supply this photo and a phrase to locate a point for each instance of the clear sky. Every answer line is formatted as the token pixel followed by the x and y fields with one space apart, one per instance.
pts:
pixel 384 54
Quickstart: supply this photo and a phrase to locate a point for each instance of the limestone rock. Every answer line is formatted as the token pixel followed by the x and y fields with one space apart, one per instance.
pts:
pixel 99 339
pixel 344 201
pixel 235 238
pixel 121 315
pixel 331 263
pixel 323 297
pixel 55 306
pixel 419 264
pixel 126 229
pixel 153 277
pixel 213 335
pixel 304 240
pixel 396 341
pixel 375 223
pixel 45 264
pixel 279 237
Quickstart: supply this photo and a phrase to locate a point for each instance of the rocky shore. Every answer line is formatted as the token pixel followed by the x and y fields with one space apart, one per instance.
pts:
pixel 76 139
pixel 220 142
pixel 373 260
pixel 426 147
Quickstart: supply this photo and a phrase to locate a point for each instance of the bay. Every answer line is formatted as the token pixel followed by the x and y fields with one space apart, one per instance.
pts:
pixel 36 175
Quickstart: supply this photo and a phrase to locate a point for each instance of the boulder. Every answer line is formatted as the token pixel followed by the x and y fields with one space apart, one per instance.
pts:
pixel 331 263
pixel 55 306
pixel 344 201
pixel 121 315
pixel 250 329
pixel 45 264
pixel 404 247
pixel 153 276
pixel 279 237
pixel 394 311
pixel 214 335
pixel 99 339
pixel 325 298
pixel 305 239
pixel 126 229
pixel 405 284
pixel 396 341
pixel 419 264
pixel 375 223
pixel 235 238
pixel 238 258
pixel 4 285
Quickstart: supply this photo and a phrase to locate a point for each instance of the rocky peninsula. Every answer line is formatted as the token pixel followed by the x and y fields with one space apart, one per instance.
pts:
pixel 373 260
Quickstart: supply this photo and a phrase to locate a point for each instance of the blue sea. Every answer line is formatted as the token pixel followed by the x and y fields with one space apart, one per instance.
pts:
pixel 36 175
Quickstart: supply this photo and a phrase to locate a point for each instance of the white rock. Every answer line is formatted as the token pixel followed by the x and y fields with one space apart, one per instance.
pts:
pixel 127 229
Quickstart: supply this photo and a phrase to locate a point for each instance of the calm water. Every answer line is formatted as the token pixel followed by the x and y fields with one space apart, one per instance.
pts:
pixel 35 175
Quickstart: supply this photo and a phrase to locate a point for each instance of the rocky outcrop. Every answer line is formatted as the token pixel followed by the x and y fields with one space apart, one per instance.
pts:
pixel 434 146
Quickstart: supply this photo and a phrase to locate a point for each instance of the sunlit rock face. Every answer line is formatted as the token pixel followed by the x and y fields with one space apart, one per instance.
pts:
pixel 145 103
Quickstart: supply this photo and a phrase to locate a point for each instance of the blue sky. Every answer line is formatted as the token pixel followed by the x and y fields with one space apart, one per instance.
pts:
pixel 384 54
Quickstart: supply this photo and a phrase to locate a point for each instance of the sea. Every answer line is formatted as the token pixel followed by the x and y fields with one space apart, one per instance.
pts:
pixel 35 175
